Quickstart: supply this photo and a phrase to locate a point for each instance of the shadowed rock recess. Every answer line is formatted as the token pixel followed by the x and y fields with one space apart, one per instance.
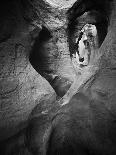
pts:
pixel 57 77
pixel 24 57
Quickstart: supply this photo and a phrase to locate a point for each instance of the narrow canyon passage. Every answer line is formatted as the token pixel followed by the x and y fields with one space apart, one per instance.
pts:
pixel 57 76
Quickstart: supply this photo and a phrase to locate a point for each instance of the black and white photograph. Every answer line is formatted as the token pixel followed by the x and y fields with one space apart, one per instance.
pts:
pixel 57 77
